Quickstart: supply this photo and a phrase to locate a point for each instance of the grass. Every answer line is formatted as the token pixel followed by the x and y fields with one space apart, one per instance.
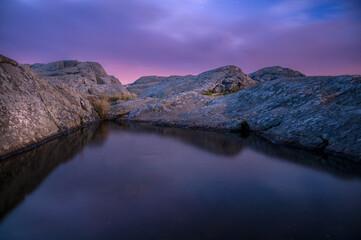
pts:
pixel 210 93
pixel 101 105
pixel 230 91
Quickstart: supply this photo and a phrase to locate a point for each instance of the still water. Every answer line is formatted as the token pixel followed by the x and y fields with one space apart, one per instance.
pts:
pixel 142 182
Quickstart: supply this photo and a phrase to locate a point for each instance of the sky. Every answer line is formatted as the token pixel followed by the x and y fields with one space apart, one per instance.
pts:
pixel 134 38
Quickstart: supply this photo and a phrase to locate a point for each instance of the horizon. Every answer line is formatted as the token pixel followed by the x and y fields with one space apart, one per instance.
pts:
pixel 138 38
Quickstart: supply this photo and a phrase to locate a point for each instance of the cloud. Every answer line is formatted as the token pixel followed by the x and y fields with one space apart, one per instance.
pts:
pixel 138 37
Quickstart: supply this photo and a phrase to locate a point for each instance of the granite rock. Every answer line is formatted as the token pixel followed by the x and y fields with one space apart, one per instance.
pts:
pixel 88 77
pixel 322 113
pixel 220 80
pixel 273 73
pixel 33 110
pixel 280 104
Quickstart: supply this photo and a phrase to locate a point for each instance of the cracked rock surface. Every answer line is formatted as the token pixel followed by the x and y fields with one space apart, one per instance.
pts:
pixel 32 110
pixel 88 77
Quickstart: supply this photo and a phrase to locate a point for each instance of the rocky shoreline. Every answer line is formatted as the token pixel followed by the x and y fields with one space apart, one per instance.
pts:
pixel 321 113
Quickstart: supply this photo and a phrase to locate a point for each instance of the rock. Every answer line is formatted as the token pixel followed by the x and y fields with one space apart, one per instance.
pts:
pixel 91 71
pixel 110 91
pixel 321 113
pixel 33 110
pixel 145 83
pixel 221 80
pixel 4 59
pixel 286 107
pixel 154 109
pixel 273 73
pixel 89 77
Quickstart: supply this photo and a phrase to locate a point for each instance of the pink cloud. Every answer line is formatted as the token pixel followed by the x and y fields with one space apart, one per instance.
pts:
pixel 135 38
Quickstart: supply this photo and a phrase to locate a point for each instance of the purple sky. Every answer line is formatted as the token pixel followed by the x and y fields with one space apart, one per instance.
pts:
pixel 132 38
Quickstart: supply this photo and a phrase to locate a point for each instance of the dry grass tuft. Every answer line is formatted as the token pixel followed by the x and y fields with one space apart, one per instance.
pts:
pixel 101 105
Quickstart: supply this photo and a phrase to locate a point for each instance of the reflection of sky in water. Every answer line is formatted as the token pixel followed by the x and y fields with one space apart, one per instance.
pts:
pixel 143 186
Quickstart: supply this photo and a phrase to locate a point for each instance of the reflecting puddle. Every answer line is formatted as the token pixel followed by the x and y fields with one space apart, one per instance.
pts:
pixel 144 182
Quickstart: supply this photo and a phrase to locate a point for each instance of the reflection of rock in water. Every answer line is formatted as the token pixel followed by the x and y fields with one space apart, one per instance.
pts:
pixel 222 143
pixel 230 144
pixel 317 160
pixel 23 173
pixel 100 135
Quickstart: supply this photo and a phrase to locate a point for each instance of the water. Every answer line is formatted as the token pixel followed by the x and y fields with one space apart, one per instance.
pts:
pixel 142 182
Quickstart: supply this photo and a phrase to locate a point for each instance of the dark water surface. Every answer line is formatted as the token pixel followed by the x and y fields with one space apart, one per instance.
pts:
pixel 142 182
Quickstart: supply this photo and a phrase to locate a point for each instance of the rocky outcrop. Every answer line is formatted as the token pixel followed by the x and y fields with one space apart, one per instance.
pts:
pixel 85 73
pixel 33 110
pixel 321 113
pixel 4 59
pixel 88 77
pixel 280 104
pixel 221 80
pixel 273 73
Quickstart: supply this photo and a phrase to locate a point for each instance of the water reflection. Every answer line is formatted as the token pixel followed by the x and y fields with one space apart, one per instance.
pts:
pixel 231 144
pixel 205 185
pixel 23 173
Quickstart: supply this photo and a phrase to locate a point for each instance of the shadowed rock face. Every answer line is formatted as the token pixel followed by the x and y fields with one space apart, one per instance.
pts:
pixel 88 77
pixel 32 110
pixel 220 80
pixel 273 73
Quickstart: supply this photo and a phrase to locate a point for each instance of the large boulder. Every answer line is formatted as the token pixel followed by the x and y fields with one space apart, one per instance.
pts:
pixel 32 110
pixel 89 72
pixel 89 77
pixel 273 73
pixel 221 80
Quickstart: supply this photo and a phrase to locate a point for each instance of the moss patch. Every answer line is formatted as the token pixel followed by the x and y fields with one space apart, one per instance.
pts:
pixel 208 93
pixel 231 91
